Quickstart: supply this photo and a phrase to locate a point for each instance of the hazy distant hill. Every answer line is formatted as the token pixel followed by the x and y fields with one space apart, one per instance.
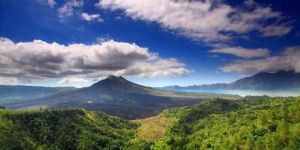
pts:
pixel 282 80
pixel 116 96
pixel 19 93
pixel 268 81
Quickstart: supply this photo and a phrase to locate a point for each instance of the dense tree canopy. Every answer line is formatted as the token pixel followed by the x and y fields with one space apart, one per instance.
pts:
pixel 62 129
pixel 249 123
pixel 252 123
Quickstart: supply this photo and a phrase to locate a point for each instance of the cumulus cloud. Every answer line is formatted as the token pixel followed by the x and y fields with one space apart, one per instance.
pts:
pixel 288 60
pixel 207 20
pixel 91 17
pixel 157 68
pixel 242 52
pixel 41 60
pixel 69 7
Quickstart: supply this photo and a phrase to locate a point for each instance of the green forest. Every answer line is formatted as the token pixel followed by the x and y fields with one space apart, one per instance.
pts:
pixel 248 123
pixel 62 129
pixel 252 123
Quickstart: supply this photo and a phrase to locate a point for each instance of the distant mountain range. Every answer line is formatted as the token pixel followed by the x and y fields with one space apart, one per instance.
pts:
pixel 116 96
pixel 19 93
pixel 281 80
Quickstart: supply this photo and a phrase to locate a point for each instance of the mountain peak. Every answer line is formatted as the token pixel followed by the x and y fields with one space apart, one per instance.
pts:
pixel 116 85
pixel 113 77
pixel 112 81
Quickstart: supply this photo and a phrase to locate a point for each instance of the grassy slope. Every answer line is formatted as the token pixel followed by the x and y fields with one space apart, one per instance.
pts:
pixel 154 128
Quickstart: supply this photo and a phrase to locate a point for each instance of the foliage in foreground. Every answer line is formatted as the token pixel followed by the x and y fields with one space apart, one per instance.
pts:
pixel 63 129
pixel 250 123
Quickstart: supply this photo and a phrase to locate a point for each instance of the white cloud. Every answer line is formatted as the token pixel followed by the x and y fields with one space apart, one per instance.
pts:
pixel 91 17
pixel 157 67
pixel 242 52
pixel 207 20
pixel 51 3
pixel 102 39
pixel 67 80
pixel 69 7
pixel 8 81
pixel 41 60
pixel 276 30
pixel 288 60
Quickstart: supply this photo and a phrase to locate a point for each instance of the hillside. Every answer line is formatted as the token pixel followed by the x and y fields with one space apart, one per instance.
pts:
pixel 63 129
pixel 18 93
pixel 249 123
pixel 281 80
pixel 117 96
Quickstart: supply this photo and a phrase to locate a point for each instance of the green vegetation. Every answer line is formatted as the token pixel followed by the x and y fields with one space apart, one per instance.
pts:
pixel 249 123
pixel 62 129
pixel 154 128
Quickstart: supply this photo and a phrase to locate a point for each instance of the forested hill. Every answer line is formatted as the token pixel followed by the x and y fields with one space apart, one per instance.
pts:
pixel 62 129
pixel 250 123
pixel 255 123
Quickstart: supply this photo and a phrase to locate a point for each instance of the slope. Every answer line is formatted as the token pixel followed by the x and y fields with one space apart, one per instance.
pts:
pixel 250 123
pixel 10 94
pixel 116 96
pixel 281 80
pixel 63 129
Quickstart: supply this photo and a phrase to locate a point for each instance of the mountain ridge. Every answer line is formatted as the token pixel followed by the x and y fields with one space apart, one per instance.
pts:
pixel 10 93
pixel 281 80
pixel 115 96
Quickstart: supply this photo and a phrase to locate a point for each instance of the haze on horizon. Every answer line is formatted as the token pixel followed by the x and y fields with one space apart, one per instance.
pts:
pixel 151 42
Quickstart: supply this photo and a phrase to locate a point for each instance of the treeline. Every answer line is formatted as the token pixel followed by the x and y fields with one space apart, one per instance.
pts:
pixel 251 123
pixel 62 129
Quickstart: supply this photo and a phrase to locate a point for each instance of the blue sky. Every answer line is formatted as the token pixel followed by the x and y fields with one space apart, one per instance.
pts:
pixel 152 42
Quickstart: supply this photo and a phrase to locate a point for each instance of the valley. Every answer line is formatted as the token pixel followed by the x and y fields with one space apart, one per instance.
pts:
pixel 115 96
pixel 149 75
pixel 116 113
pixel 247 123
